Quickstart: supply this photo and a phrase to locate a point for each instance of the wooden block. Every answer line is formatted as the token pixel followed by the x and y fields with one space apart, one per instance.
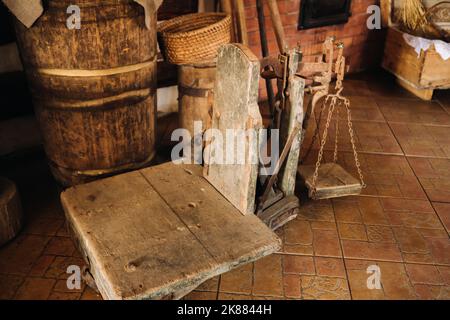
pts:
pixel 11 217
pixel 281 212
pixel 333 181
pixel 236 107
pixel 160 232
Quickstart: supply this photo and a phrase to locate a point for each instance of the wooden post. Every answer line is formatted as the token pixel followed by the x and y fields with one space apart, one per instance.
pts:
pixel 264 49
pixel 227 7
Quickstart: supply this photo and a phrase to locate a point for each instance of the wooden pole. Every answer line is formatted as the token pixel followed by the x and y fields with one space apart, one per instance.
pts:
pixel 277 25
pixel 227 7
pixel 242 24
pixel 264 49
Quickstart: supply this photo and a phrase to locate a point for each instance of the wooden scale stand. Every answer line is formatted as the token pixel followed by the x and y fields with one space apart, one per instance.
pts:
pixel 330 180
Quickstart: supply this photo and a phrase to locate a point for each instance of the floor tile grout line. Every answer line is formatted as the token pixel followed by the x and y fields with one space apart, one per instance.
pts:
pixel 414 172
pixel 282 277
pixel 426 157
pixel 420 124
pixel 443 107
pixel 439 217
pixel 218 287
pixel 442 202
pixel 388 197
pixel 365 259
pixel 394 121
pixel 428 197
pixel 342 251
pixel 364 152
pixel 253 279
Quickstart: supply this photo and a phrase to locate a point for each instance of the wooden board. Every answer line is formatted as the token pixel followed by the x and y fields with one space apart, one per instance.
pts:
pixel 333 181
pixel 292 114
pixel 281 212
pixel 236 107
pixel 159 231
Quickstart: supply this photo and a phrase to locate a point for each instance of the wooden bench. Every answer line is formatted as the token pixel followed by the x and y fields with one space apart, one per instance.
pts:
pixel 160 232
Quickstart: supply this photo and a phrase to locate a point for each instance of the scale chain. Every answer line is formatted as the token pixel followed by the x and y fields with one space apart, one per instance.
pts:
pixel 324 141
pixel 352 140
pixel 336 141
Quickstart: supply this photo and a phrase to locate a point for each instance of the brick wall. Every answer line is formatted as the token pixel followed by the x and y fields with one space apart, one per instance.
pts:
pixel 363 47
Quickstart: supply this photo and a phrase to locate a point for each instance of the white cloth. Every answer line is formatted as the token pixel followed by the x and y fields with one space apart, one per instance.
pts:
pixel 419 44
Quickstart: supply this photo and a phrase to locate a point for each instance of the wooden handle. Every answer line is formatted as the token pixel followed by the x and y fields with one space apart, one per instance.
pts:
pixel 242 24
pixel 227 7
pixel 277 25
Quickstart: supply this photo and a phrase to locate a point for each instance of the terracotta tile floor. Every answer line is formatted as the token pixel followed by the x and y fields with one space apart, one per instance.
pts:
pixel 401 222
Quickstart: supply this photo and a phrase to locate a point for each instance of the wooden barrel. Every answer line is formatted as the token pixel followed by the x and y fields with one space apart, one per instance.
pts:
pixel 196 95
pixel 11 217
pixel 94 88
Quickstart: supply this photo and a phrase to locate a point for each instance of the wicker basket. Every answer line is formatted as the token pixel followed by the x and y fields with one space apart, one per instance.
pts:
pixel 194 37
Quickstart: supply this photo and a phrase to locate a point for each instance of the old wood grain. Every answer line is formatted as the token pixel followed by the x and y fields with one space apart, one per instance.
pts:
pixel 333 181
pixel 293 114
pixel 160 232
pixel 236 107
pixel 94 88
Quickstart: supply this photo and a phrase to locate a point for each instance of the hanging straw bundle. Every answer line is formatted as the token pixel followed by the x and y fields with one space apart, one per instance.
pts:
pixel 413 16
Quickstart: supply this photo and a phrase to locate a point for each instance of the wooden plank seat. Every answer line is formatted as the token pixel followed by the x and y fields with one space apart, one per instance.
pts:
pixel 160 232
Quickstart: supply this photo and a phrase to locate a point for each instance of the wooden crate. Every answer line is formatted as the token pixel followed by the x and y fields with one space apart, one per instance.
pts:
pixel 421 74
